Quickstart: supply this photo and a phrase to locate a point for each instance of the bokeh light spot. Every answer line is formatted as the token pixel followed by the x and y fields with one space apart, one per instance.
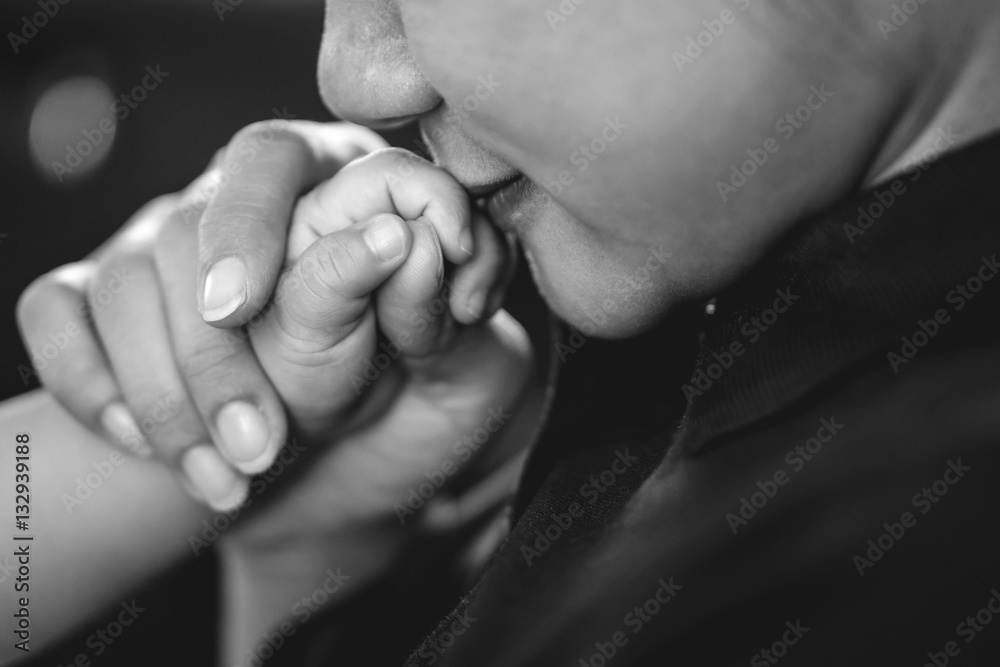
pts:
pixel 72 129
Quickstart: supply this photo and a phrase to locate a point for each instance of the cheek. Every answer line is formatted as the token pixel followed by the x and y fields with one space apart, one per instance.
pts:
pixel 633 150
pixel 600 286
pixel 591 110
pixel 573 119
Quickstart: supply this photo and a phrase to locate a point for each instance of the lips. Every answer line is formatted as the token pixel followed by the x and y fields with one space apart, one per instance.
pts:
pixel 511 206
pixel 487 178
pixel 487 188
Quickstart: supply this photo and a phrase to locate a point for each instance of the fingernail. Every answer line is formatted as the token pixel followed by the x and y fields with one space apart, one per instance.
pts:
pixel 225 288
pixel 244 431
pixel 386 238
pixel 219 485
pixel 476 303
pixel 118 422
pixel 465 241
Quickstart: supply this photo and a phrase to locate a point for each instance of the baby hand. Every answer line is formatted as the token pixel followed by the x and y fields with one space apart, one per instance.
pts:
pixel 144 365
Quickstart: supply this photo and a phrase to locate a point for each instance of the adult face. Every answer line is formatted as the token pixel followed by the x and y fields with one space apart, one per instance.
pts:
pixel 646 151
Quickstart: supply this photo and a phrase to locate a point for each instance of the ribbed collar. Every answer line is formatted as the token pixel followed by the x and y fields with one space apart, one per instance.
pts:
pixel 852 283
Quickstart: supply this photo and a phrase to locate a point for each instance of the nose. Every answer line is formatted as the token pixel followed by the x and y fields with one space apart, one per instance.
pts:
pixel 366 72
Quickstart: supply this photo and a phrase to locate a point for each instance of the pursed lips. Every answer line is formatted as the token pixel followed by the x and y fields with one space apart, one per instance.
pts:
pixel 490 181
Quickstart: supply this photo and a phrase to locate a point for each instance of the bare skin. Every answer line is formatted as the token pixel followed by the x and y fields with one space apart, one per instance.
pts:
pixel 557 86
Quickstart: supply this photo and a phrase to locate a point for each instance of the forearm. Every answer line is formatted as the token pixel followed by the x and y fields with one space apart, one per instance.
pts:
pixel 102 522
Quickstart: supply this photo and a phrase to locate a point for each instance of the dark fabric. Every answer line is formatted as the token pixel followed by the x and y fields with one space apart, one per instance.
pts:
pixel 812 500
pixel 858 290
pixel 744 526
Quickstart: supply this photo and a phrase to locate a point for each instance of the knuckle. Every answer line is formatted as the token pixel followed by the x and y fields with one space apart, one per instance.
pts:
pixel 79 372
pixel 168 227
pixel 170 430
pixel 251 207
pixel 115 273
pixel 161 205
pixel 35 295
pixel 170 235
pixel 146 222
pixel 330 266
pixel 217 157
pixel 48 291
pixel 208 361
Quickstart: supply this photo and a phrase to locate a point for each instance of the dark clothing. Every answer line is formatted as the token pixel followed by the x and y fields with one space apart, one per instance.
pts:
pixel 818 490
pixel 827 496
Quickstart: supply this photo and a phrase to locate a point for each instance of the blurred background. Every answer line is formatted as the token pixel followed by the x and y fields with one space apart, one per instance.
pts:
pixel 77 159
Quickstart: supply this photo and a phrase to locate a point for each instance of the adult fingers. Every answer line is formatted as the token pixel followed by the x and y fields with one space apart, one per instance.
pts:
pixel 136 337
pixel 54 317
pixel 224 380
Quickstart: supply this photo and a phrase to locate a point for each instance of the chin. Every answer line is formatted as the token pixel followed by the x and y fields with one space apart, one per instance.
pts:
pixel 603 315
pixel 620 326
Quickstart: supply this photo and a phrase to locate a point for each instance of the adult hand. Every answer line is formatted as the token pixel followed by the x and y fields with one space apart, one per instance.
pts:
pixel 146 352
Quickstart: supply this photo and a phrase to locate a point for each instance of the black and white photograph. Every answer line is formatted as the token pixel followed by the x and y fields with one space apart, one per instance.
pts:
pixel 499 333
